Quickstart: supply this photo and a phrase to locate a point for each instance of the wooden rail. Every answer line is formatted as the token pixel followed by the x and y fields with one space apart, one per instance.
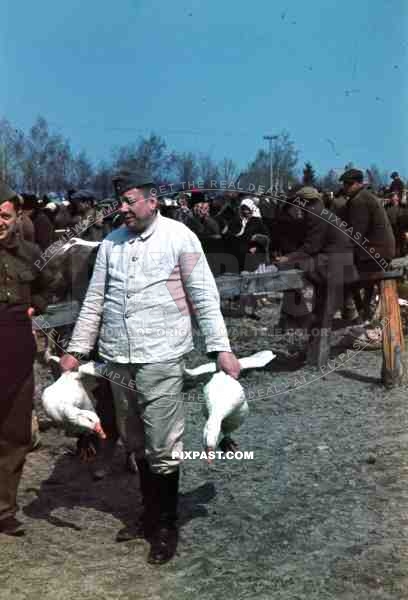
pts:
pixel 234 285
pixel 229 286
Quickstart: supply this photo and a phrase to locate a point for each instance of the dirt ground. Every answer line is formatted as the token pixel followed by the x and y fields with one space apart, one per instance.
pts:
pixel 320 513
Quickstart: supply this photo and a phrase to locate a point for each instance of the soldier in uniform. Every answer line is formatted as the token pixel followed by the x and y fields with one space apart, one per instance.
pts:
pixel 23 292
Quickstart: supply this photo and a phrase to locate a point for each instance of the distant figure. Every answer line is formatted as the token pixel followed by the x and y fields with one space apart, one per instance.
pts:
pixel 210 226
pixel 83 212
pixel 25 224
pixel 43 226
pixel 324 254
pixel 397 185
pixel 251 224
pixel 184 213
pixel 373 237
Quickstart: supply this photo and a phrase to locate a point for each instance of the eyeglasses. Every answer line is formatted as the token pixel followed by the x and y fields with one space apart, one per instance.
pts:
pixel 128 200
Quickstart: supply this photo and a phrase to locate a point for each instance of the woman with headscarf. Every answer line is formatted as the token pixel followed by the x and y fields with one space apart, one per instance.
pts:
pixel 251 225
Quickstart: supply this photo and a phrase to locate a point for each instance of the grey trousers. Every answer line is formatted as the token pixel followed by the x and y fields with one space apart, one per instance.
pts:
pixel 149 410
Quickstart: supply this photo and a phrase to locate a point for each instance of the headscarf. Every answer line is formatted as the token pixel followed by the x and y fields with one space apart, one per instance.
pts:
pixel 255 212
pixel 249 203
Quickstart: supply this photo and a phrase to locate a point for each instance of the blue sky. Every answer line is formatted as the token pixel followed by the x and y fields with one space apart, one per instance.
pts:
pixel 213 76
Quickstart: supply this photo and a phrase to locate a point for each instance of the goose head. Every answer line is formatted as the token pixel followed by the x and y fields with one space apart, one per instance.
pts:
pixel 85 419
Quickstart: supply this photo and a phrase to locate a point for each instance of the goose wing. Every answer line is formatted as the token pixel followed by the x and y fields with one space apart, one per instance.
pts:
pixel 254 361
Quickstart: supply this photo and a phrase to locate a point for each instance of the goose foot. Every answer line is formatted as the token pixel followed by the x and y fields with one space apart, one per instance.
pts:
pixel 131 464
pixel 227 444
pixel 87 447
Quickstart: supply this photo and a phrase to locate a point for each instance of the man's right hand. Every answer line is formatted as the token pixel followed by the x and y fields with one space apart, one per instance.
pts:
pixel 68 363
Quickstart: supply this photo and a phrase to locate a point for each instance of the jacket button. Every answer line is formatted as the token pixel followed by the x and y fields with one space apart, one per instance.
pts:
pixel 134 258
pixel 128 295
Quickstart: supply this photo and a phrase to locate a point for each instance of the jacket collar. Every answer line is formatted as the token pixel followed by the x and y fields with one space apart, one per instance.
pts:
pixel 144 235
pixel 10 242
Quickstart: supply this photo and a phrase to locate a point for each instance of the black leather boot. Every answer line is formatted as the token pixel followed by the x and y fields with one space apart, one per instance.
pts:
pixel 165 536
pixel 144 528
pixel 12 526
pixel 150 513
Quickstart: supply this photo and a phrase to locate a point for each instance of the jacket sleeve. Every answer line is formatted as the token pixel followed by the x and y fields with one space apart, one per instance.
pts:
pixel 41 286
pixel 359 216
pixel 203 294
pixel 41 289
pixel 87 326
pixel 315 233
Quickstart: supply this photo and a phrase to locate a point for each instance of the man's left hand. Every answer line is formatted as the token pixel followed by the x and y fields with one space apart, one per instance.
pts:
pixel 228 362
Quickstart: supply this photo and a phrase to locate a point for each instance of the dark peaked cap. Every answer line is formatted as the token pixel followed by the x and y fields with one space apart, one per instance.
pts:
pixel 6 193
pixel 83 196
pixel 127 180
pixel 352 175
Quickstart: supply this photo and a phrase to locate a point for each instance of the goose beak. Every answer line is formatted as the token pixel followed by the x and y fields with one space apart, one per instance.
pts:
pixel 208 449
pixel 99 431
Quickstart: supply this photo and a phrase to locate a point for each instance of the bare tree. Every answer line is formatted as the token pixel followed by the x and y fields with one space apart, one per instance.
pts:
pixel 11 152
pixel 185 166
pixel 207 170
pixel 258 172
pixel 228 170
pixel 47 161
pixel 102 181
pixel 149 155
pixel 285 158
pixel 284 161
pixel 309 175
pixel 83 171
pixel 330 181
pixel 376 178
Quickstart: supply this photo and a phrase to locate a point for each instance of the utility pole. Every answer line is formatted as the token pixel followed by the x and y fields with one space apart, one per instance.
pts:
pixel 270 139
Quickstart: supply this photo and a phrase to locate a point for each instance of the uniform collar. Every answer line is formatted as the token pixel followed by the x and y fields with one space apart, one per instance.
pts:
pixel 10 242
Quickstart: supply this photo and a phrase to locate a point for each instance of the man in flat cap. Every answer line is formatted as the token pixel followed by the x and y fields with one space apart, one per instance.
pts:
pixel 371 231
pixel 150 278
pixel 324 253
pixel 23 291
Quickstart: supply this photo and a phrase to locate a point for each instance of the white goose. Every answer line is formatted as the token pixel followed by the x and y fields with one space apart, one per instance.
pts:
pixel 254 361
pixel 78 242
pixel 225 406
pixel 68 402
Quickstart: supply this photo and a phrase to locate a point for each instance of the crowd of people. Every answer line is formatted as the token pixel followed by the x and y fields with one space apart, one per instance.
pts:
pixel 239 224
pixel 335 239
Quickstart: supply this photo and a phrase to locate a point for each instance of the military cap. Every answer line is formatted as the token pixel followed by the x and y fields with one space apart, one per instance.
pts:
pixel 83 196
pixel 352 175
pixel 197 196
pixel 128 180
pixel 30 201
pixel 6 193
